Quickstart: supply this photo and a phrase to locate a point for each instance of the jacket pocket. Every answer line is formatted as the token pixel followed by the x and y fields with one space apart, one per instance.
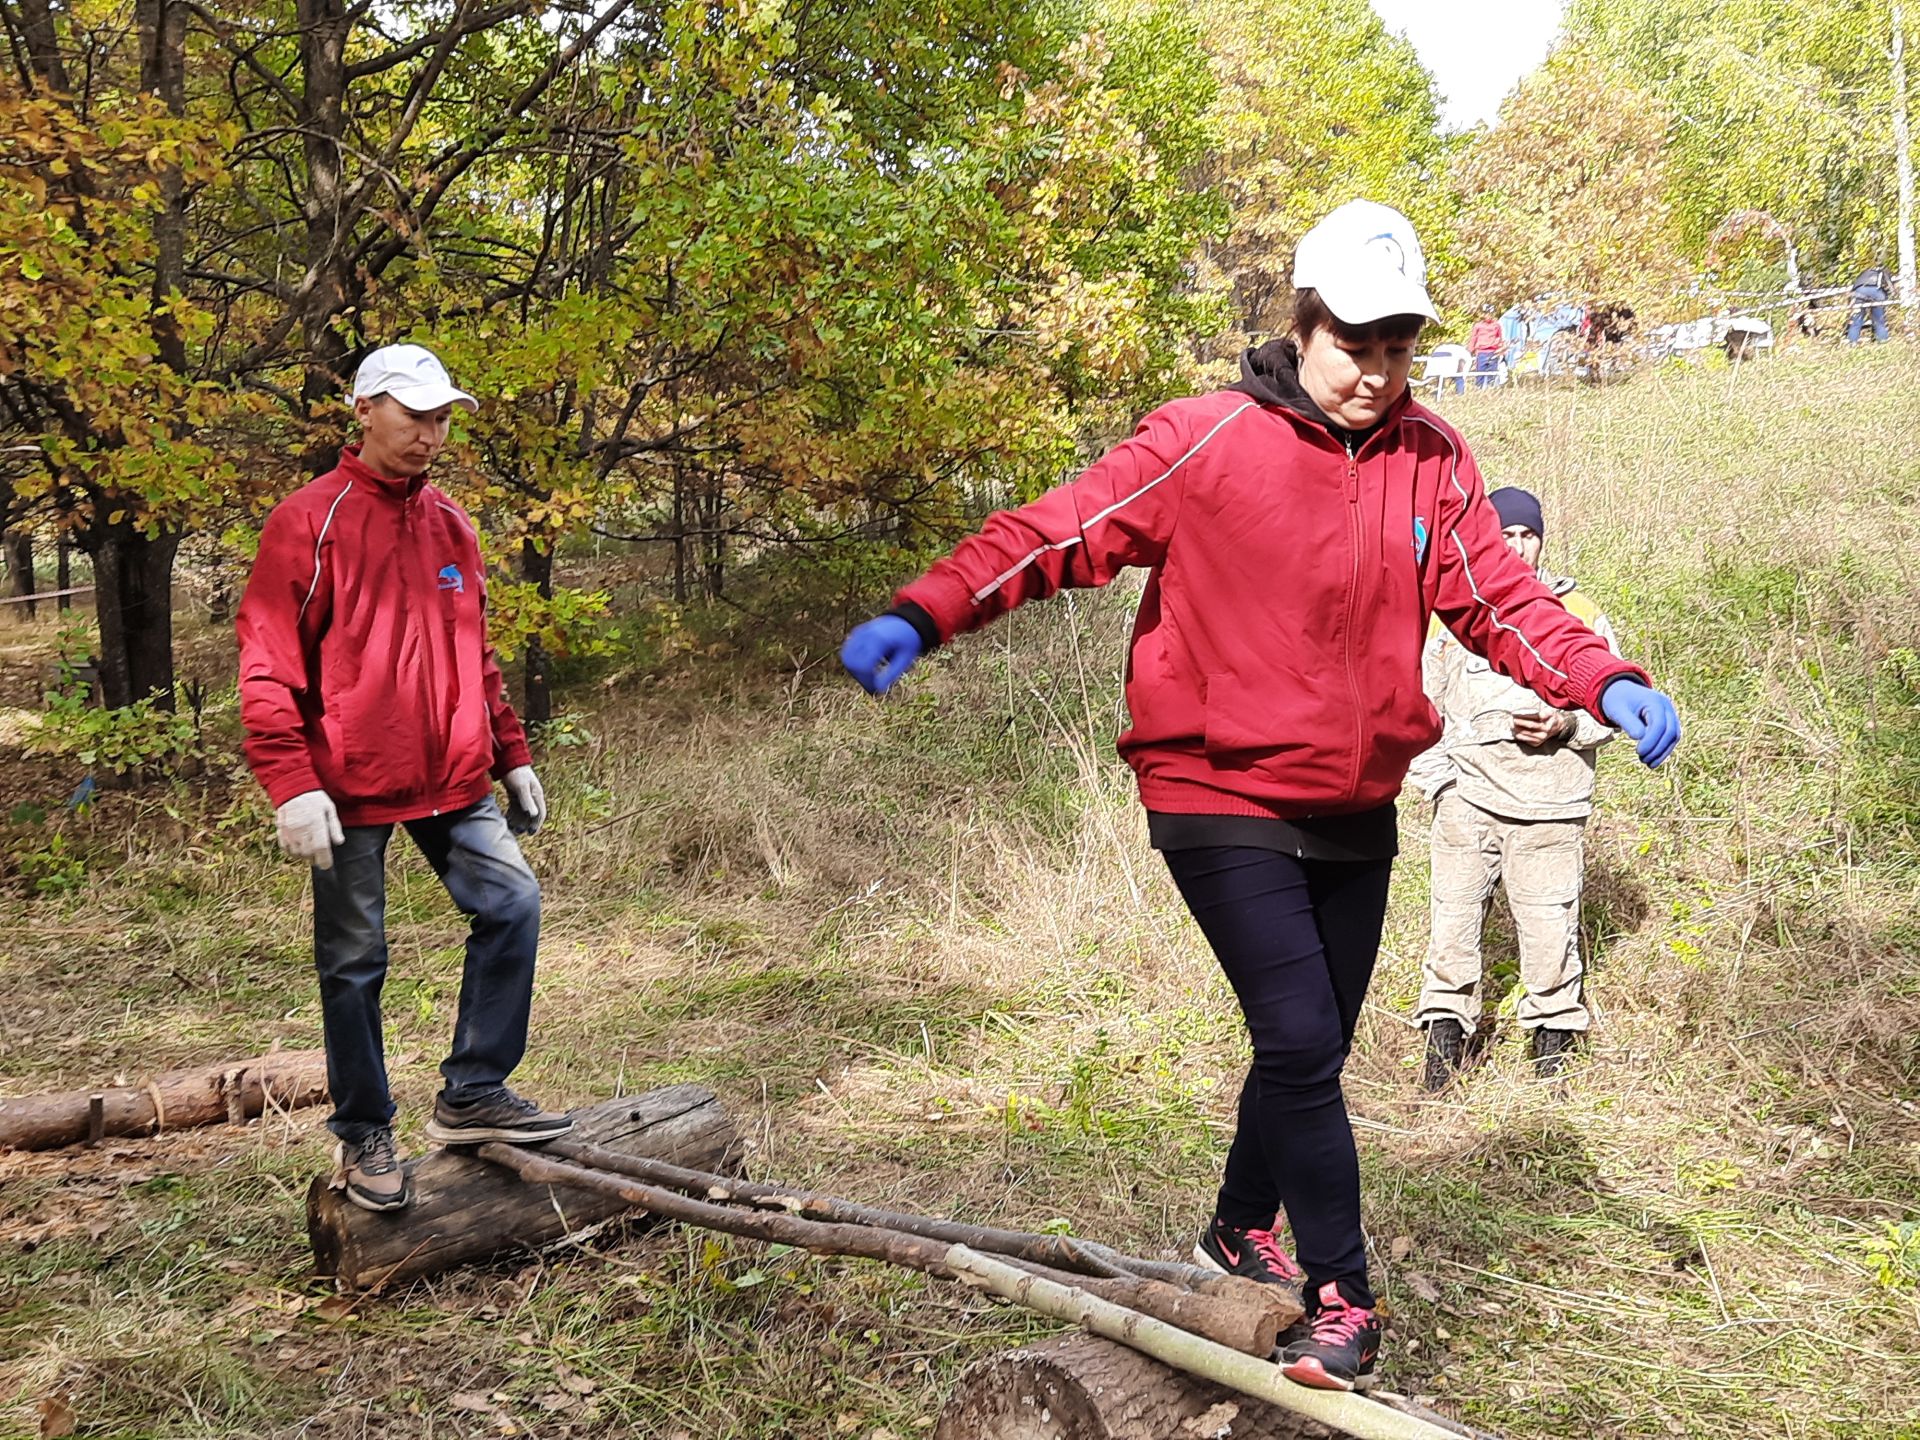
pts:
pixel 1238 725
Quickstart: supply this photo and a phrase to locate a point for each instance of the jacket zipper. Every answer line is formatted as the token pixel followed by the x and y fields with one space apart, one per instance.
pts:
pixel 1354 541
pixel 424 609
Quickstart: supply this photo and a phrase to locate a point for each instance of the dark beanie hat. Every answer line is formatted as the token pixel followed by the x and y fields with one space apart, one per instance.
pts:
pixel 1515 506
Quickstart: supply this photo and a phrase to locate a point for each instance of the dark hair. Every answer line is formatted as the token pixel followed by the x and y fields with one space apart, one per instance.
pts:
pixel 1310 313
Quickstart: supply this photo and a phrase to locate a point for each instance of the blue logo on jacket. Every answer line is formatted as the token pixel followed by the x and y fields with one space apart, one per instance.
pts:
pixel 450 579
pixel 1419 540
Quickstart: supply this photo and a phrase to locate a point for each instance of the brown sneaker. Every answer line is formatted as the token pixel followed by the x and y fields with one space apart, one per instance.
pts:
pixel 509 1118
pixel 371 1174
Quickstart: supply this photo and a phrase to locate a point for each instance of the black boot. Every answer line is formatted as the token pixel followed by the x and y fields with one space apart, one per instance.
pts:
pixel 1551 1051
pixel 1446 1043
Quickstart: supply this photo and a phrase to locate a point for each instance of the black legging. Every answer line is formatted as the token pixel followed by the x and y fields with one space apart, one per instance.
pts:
pixel 1297 939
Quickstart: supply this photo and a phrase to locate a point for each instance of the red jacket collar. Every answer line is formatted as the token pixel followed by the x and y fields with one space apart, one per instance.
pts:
pixel 354 468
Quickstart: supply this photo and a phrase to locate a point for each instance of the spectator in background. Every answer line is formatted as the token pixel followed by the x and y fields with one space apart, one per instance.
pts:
pixel 1485 342
pixel 1513 330
pixel 1870 293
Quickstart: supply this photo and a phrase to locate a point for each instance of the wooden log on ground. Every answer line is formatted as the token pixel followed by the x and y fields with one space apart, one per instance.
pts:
pixel 1342 1413
pixel 465 1210
pixel 1081 1387
pixel 179 1100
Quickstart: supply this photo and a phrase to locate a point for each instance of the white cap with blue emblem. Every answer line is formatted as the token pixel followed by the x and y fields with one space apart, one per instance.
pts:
pixel 1366 263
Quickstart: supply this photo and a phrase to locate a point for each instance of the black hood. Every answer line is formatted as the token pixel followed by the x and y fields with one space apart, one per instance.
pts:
pixel 1270 373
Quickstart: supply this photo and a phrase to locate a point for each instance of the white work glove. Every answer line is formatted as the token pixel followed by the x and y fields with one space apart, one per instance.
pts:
pixel 527 808
pixel 308 828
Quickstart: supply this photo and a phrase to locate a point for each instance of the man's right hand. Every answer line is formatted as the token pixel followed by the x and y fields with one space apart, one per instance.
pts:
pixel 308 828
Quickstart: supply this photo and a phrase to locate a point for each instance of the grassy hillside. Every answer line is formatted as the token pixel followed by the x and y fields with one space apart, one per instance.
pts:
pixel 922 949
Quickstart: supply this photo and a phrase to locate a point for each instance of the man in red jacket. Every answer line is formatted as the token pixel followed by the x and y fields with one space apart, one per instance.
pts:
pixel 371 698
pixel 1484 343
pixel 1300 529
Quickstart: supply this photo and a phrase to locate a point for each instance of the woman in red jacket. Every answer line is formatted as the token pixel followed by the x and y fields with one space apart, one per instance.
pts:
pixel 1300 529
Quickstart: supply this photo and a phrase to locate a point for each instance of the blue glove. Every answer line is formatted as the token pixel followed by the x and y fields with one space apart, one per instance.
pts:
pixel 880 652
pixel 1645 714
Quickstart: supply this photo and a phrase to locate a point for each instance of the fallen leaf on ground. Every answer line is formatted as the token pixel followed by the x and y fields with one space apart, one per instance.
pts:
pixel 1422 1286
pixel 56 1418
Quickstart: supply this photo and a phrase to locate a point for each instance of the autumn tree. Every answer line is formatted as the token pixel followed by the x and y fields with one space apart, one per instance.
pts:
pixel 1315 103
pixel 1569 192
pixel 206 210
pixel 1780 108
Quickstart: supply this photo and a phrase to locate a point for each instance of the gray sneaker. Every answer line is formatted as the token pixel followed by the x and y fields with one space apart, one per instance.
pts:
pixel 509 1118
pixel 371 1174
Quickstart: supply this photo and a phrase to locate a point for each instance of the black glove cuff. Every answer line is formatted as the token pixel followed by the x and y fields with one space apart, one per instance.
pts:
pixel 922 623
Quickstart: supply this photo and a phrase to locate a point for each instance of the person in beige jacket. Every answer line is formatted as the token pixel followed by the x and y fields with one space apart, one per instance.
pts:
pixel 1511 783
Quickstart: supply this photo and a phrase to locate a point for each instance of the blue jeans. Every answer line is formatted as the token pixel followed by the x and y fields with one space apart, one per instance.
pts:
pixel 1486 369
pixel 481 865
pixel 1868 301
pixel 1297 939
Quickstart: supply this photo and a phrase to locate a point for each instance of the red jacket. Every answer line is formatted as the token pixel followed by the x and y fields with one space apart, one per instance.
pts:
pixel 1275 664
pixel 364 664
pixel 1485 336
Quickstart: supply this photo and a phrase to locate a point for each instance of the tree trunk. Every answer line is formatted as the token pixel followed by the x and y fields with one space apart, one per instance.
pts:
pixel 18 548
pixel 178 1100
pixel 133 597
pixel 465 1210
pixel 220 600
pixel 1081 1387
pixel 63 570
pixel 536 698
pixel 42 35
pixel 679 536
pixel 1903 161
pixel 713 542
pixel 324 29
pixel 163 60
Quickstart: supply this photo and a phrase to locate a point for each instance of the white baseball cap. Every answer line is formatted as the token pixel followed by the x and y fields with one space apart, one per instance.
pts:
pixel 1366 263
pixel 411 374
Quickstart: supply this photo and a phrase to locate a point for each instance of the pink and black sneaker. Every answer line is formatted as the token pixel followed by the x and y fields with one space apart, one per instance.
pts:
pixel 1339 1352
pixel 1256 1254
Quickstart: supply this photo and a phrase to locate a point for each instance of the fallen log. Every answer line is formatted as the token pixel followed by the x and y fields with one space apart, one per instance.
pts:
pixel 1081 1387
pixel 1084 1387
pixel 179 1100
pixel 1246 1322
pixel 1341 1414
pixel 467 1210
pixel 1060 1252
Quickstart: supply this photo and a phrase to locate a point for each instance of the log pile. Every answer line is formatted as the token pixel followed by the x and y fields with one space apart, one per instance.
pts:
pixel 1193 1347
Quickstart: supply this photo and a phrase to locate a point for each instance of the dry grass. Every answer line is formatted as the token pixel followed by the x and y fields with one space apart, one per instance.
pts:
pixel 923 950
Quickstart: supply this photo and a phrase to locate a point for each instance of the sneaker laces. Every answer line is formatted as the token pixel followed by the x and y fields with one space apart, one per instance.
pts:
pixel 1267 1246
pixel 1338 1322
pixel 376 1155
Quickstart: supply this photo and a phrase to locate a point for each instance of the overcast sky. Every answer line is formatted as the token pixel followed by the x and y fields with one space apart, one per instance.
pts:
pixel 1476 49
